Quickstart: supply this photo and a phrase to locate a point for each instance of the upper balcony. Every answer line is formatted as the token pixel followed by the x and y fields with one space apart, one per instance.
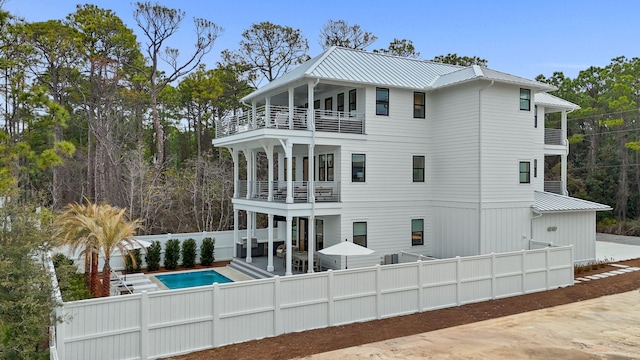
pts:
pixel 278 117
pixel 323 191
pixel 553 137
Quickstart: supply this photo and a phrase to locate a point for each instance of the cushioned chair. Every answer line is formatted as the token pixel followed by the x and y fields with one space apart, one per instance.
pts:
pixel 280 250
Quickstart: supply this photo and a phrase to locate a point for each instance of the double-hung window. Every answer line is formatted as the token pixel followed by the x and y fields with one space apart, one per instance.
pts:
pixel 525 99
pixel 352 102
pixel 417 232
pixel 418 105
pixel 418 169
pixel 382 101
pixel 525 172
pixel 325 167
pixel 340 102
pixel 358 166
pixel 360 233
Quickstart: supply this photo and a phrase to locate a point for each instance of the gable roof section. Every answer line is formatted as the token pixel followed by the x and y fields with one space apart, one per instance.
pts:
pixel 545 202
pixel 551 101
pixel 362 67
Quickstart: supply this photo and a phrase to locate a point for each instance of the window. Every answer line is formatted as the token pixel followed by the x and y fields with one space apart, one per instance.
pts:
pixel 535 168
pixel 325 167
pixel 352 102
pixel 417 232
pixel 341 102
pixel 418 105
pixel 360 233
pixel 328 104
pixel 358 167
pixel 535 116
pixel 382 101
pixel 319 234
pixel 525 172
pixel 525 99
pixel 418 169
pixel 316 104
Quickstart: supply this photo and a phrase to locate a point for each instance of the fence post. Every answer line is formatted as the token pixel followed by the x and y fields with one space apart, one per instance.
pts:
pixel 523 282
pixel 547 273
pixel 144 325
pixel 493 276
pixel 215 315
pixel 458 279
pixel 420 288
pixel 378 292
pixel 330 297
pixel 277 322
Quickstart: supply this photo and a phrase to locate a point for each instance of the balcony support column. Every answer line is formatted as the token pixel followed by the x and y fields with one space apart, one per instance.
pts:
pixel 311 121
pixel 236 232
pixel 311 193
pixel 563 174
pixel 254 115
pixel 247 158
pixel 250 216
pixel 289 246
pixel 236 165
pixel 291 107
pixel 288 153
pixel 268 149
pixel 270 244
pixel 312 243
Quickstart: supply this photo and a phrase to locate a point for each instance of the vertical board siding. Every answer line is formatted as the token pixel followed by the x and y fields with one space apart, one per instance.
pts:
pixel 167 323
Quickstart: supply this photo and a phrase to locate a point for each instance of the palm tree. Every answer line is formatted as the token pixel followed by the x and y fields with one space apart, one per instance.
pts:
pixel 97 229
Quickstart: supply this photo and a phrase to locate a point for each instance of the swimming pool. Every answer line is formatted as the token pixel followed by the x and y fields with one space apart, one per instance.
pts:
pixel 192 278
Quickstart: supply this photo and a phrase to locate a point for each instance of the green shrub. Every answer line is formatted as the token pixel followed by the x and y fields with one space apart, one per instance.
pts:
pixel 206 251
pixel 129 265
pixel 172 254
pixel 154 252
pixel 189 253
pixel 71 283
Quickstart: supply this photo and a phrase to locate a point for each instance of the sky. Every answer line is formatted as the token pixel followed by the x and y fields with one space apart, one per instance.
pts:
pixel 523 38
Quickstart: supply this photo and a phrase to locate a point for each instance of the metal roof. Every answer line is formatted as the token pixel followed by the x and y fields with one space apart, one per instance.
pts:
pixel 545 202
pixel 551 101
pixel 357 66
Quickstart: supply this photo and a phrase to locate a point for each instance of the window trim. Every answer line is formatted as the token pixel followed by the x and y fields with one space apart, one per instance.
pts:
pixel 420 179
pixel 354 178
pixel 521 173
pixel 382 102
pixel 353 233
pixel 526 99
pixel 413 240
pixel 419 106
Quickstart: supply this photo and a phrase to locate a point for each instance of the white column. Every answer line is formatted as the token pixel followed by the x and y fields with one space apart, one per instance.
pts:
pixel 312 174
pixel 311 121
pixel 311 237
pixel 254 114
pixel 247 158
pixel 563 174
pixel 269 151
pixel 289 155
pixel 267 112
pixel 289 246
pixel 250 215
pixel 236 232
pixel 291 89
pixel 270 243
pixel 236 165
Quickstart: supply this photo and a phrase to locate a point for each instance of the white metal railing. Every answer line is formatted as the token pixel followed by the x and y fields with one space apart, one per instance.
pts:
pixel 553 137
pixel 327 191
pixel 324 191
pixel 555 187
pixel 278 117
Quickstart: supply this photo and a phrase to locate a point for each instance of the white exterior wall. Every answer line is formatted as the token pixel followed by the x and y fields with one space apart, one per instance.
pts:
pixel 569 228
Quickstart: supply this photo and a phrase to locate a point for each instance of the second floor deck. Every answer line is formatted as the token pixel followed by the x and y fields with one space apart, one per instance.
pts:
pixel 323 191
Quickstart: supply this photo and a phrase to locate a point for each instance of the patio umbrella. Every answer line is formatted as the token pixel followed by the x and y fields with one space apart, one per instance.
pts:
pixel 346 248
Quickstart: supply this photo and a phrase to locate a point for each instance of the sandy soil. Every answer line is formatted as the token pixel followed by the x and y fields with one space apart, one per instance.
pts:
pixel 607 325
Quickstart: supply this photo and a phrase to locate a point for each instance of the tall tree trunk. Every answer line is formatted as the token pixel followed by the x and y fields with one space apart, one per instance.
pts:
pixel 106 278
pixel 94 275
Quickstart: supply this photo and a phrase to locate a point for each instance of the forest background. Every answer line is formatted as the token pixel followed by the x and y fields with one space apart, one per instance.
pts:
pixel 90 111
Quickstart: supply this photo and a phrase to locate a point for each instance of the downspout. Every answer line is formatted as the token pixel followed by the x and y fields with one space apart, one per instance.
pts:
pixel 480 165
pixel 313 173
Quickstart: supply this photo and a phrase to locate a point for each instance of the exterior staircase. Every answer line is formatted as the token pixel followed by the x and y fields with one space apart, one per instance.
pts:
pixel 249 270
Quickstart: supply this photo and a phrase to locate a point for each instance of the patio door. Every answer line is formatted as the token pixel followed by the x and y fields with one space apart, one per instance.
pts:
pixel 305 169
pixel 303 229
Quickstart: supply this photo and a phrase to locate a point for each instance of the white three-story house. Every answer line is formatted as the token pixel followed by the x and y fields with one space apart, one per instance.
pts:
pixel 398 154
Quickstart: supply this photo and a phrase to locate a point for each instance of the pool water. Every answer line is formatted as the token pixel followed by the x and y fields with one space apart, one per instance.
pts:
pixel 191 279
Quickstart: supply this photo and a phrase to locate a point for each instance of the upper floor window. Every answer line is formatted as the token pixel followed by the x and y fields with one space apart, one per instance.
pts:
pixel 418 105
pixel 358 163
pixel 382 101
pixel 360 233
pixel 535 116
pixel 328 104
pixel 352 102
pixel 417 232
pixel 325 167
pixel 418 169
pixel 525 99
pixel 316 104
pixel 340 102
pixel 525 172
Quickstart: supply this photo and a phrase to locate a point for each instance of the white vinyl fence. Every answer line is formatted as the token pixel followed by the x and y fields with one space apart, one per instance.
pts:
pixel 166 323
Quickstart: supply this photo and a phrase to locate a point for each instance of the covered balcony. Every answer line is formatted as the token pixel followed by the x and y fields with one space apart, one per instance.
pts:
pixel 276 191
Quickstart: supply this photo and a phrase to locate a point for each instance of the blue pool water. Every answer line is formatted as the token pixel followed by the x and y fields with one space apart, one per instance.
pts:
pixel 191 279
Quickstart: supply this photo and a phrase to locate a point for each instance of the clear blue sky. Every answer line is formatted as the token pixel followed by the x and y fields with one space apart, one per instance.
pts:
pixel 519 37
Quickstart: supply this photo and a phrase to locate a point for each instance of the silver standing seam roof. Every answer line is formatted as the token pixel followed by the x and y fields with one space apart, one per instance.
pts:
pixel 368 68
pixel 545 202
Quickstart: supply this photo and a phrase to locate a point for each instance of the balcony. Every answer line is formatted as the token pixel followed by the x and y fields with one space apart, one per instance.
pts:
pixel 278 118
pixel 553 137
pixel 325 191
pixel 555 187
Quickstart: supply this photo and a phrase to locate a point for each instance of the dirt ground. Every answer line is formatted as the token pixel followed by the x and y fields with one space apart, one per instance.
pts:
pixel 301 344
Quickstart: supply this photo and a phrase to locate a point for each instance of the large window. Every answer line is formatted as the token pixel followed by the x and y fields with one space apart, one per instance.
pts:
pixel 525 172
pixel 382 101
pixel 417 232
pixel 352 102
pixel 319 234
pixel 340 102
pixel 418 105
pixel 418 169
pixel 525 99
pixel 360 233
pixel 325 167
pixel 358 164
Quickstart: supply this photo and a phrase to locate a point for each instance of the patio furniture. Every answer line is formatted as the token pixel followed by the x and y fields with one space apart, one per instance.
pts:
pixel 280 250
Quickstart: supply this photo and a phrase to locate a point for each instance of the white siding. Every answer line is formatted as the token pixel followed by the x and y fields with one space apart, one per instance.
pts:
pixel 577 229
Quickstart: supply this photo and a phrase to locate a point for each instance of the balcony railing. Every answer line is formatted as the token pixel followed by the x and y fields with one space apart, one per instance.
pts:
pixel 325 191
pixel 278 118
pixel 553 137
pixel 555 187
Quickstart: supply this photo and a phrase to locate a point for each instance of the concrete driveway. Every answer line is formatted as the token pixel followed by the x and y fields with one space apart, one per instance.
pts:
pixel 617 247
pixel 602 328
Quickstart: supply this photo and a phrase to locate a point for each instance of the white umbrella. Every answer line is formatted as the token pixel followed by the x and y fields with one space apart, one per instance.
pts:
pixel 346 248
